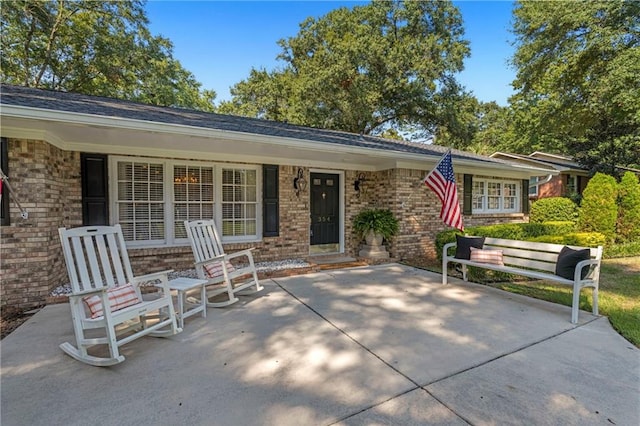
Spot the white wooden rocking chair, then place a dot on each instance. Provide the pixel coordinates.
(106, 296)
(213, 265)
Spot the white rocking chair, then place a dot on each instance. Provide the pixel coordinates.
(213, 265)
(106, 295)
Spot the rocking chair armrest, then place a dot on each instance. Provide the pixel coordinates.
(84, 293)
(152, 276)
(213, 259)
(245, 252)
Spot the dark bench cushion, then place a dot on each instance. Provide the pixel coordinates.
(567, 261)
(464, 244)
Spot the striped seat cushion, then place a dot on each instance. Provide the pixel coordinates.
(214, 270)
(120, 297)
(486, 256)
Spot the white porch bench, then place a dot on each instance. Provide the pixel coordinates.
(535, 260)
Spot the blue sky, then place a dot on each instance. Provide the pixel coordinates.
(220, 41)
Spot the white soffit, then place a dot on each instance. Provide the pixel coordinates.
(111, 135)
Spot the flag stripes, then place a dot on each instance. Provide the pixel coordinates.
(441, 180)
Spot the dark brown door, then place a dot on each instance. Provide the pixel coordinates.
(325, 216)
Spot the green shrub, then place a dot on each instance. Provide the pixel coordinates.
(599, 210)
(553, 209)
(628, 225)
(622, 250)
(559, 227)
(584, 239)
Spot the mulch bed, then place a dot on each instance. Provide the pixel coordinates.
(12, 318)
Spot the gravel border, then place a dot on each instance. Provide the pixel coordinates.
(279, 265)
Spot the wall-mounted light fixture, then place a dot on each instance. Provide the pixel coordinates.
(358, 185)
(299, 182)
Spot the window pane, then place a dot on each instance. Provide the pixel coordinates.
(193, 195)
(140, 200)
(239, 202)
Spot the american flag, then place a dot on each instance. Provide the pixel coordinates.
(442, 181)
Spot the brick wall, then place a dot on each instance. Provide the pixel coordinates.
(46, 180)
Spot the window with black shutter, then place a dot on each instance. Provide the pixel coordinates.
(270, 204)
(95, 199)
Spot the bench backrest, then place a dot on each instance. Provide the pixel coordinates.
(533, 255)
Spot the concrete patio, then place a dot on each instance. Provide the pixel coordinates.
(372, 345)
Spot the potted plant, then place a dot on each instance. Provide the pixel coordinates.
(375, 224)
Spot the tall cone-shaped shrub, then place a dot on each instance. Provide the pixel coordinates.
(628, 226)
(599, 208)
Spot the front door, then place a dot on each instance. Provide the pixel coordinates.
(325, 211)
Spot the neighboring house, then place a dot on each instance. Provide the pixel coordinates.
(565, 178)
(288, 191)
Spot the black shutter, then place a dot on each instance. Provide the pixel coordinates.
(270, 202)
(525, 196)
(95, 200)
(467, 207)
(4, 165)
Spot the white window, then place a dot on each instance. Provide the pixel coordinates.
(239, 202)
(192, 196)
(140, 200)
(533, 186)
(495, 196)
(151, 199)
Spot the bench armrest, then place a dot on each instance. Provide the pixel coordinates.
(587, 263)
(445, 249)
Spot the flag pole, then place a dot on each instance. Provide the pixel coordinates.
(5, 182)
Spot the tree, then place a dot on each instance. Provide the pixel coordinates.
(599, 208)
(628, 226)
(578, 80)
(100, 48)
(362, 70)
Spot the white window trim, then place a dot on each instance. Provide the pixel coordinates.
(168, 165)
(485, 210)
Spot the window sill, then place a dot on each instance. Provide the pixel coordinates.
(493, 215)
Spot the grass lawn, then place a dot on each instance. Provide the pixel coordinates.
(619, 295)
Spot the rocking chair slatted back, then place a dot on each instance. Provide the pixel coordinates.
(205, 240)
(105, 253)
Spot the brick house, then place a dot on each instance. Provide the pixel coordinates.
(570, 178)
(289, 191)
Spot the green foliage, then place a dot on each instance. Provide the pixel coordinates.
(553, 209)
(583, 239)
(628, 225)
(599, 210)
(559, 227)
(365, 69)
(99, 48)
(622, 250)
(380, 221)
(578, 81)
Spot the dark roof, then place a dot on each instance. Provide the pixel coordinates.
(110, 107)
